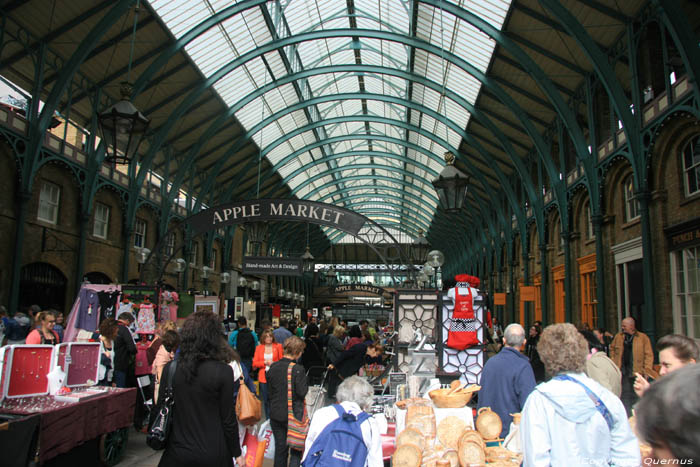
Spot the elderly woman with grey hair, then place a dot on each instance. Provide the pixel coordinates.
(354, 396)
(571, 419)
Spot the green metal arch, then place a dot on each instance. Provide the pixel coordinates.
(363, 68)
(376, 154)
(388, 201)
(605, 72)
(401, 124)
(301, 38)
(537, 73)
(491, 227)
(387, 169)
(363, 195)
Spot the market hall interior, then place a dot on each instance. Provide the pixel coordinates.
(550, 148)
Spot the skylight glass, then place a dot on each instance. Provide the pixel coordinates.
(351, 134)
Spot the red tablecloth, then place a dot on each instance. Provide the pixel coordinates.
(66, 425)
(389, 442)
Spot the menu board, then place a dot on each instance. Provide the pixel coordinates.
(396, 378)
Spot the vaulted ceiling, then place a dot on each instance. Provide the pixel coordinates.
(350, 102)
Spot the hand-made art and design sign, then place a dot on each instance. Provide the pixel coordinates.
(273, 266)
(276, 209)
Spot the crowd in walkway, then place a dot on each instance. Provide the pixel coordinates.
(575, 388)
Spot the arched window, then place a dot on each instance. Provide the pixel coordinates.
(590, 233)
(631, 203)
(691, 166)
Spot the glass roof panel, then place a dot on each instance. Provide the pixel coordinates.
(244, 32)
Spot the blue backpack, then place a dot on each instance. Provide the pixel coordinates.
(340, 443)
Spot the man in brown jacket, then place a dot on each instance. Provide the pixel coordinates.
(631, 351)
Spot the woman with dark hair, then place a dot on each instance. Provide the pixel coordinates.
(204, 426)
(355, 335)
(532, 354)
(350, 361)
(166, 353)
(675, 351)
(108, 331)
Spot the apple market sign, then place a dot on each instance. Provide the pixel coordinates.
(279, 210)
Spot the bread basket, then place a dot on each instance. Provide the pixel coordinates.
(444, 400)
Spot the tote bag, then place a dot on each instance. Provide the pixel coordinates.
(296, 429)
(158, 434)
(248, 406)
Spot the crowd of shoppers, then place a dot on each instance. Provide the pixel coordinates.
(574, 387)
(592, 381)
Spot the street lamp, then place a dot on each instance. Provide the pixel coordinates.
(242, 282)
(225, 277)
(255, 285)
(451, 186)
(289, 295)
(205, 278)
(180, 264)
(142, 256)
(436, 259)
(281, 293)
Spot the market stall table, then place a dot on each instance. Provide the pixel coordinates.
(65, 425)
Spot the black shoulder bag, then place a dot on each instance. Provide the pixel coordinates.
(162, 422)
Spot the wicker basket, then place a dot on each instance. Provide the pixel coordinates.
(453, 401)
(488, 423)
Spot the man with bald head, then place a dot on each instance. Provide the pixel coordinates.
(507, 378)
(631, 351)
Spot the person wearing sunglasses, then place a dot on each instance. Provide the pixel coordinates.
(44, 333)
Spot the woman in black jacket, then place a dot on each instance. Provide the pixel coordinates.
(533, 355)
(204, 426)
(312, 356)
(277, 390)
(349, 363)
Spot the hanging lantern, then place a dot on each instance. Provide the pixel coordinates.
(255, 285)
(419, 248)
(281, 293)
(307, 260)
(296, 297)
(302, 297)
(289, 294)
(225, 278)
(242, 282)
(122, 127)
(451, 186)
(436, 259)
